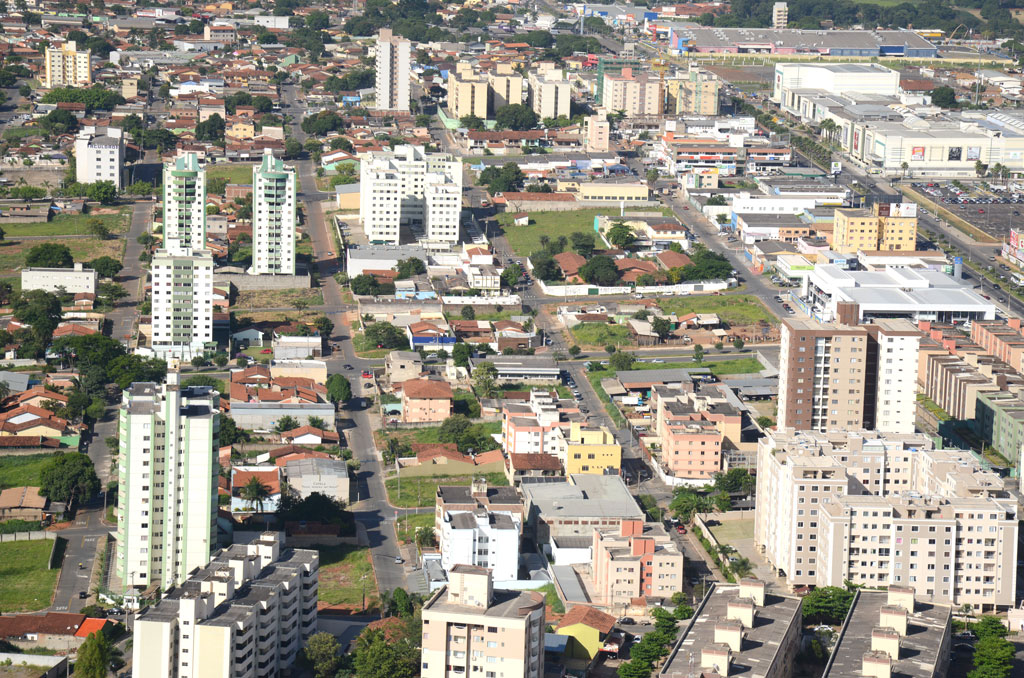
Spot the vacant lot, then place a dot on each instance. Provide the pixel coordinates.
(278, 298)
(733, 309)
(419, 491)
(525, 240)
(21, 471)
(25, 582)
(737, 366)
(409, 524)
(364, 349)
(733, 530)
(12, 252)
(601, 334)
(235, 173)
(432, 434)
(117, 221)
(344, 572)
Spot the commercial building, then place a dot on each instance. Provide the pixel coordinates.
(77, 280)
(182, 303)
(835, 376)
(184, 217)
(67, 66)
(469, 627)
(468, 93)
(878, 509)
(481, 538)
(635, 94)
(273, 217)
(411, 188)
(635, 560)
(591, 449)
(691, 37)
(167, 482)
(99, 155)
(550, 94)
(736, 628)
(393, 83)
(577, 505)
(793, 80)
(888, 633)
(246, 613)
(885, 227)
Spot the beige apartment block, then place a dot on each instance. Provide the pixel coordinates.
(393, 83)
(472, 629)
(875, 229)
(67, 66)
(598, 133)
(635, 560)
(696, 92)
(506, 86)
(468, 93)
(633, 94)
(884, 509)
(550, 93)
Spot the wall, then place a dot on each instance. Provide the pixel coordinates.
(452, 468)
(244, 281)
(57, 665)
(682, 289)
(27, 536)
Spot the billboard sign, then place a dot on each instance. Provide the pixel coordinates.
(917, 153)
(897, 209)
(837, 167)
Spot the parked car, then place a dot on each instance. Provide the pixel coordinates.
(367, 374)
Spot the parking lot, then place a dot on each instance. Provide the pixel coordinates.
(994, 209)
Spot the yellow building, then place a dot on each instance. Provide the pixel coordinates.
(696, 93)
(591, 450)
(67, 66)
(240, 131)
(506, 86)
(587, 628)
(886, 227)
(468, 93)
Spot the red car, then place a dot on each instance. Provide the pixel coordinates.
(681, 529)
(367, 375)
(267, 350)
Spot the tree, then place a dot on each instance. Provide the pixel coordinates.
(339, 390)
(67, 477)
(409, 267)
(944, 97)
(103, 192)
(827, 604)
(741, 567)
(255, 493)
(582, 244)
(652, 175)
(765, 421)
(378, 656)
(620, 235)
(460, 354)
(211, 129)
(317, 20)
(365, 284)
(322, 654)
(515, 117)
(575, 350)
(980, 168)
(621, 361)
(722, 502)
(545, 267)
(734, 481)
(471, 122)
(485, 375)
(508, 177)
(737, 344)
(662, 327)
(94, 656)
(600, 270)
(49, 255)
(698, 354)
(286, 423)
(129, 369)
(40, 309)
(106, 267)
(401, 603)
(292, 149)
(468, 313)
(386, 335)
(989, 625)
(230, 433)
(220, 360)
(511, 275)
(317, 422)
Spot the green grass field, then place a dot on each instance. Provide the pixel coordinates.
(728, 532)
(733, 309)
(464, 402)
(235, 173)
(12, 252)
(364, 349)
(25, 582)
(601, 334)
(431, 435)
(737, 366)
(344, 571)
(409, 524)
(525, 240)
(21, 471)
(70, 224)
(419, 491)
(552, 599)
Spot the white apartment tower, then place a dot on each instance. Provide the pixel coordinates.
(167, 482)
(481, 538)
(550, 94)
(898, 344)
(408, 187)
(273, 214)
(182, 270)
(394, 55)
(99, 155)
(247, 613)
(780, 15)
(67, 66)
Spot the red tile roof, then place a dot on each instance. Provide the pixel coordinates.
(535, 462)
(54, 623)
(671, 259)
(588, 616)
(91, 625)
(271, 479)
(426, 389)
(329, 436)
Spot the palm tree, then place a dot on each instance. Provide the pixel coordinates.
(741, 567)
(255, 493)
(904, 166)
(5, 390)
(725, 550)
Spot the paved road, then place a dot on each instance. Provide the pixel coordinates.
(132, 276)
(82, 540)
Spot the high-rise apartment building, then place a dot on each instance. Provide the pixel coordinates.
(635, 560)
(410, 188)
(246, 613)
(472, 629)
(182, 297)
(550, 94)
(273, 217)
(184, 205)
(468, 93)
(482, 538)
(836, 376)
(885, 227)
(167, 482)
(780, 15)
(633, 93)
(99, 155)
(67, 66)
(506, 86)
(696, 92)
(598, 133)
(878, 509)
(393, 84)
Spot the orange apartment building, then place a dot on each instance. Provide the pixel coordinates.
(694, 430)
(635, 560)
(532, 427)
(472, 629)
(1004, 340)
(426, 400)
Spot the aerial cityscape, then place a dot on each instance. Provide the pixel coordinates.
(476, 339)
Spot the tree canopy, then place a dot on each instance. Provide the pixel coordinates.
(69, 476)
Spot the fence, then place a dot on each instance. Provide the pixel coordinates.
(651, 290)
(30, 535)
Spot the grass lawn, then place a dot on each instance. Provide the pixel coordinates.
(278, 298)
(19, 133)
(601, 334)
(21, 471)
(733, 530)
(12, 252)
(25, 582)
(344, 570)
(525, 240)
(409, 524)
(430, 435)
(364, 349)
(734, 309)
(738, 366)
(71, 224)
(235, 173)
(419, 491)
(552, 599)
